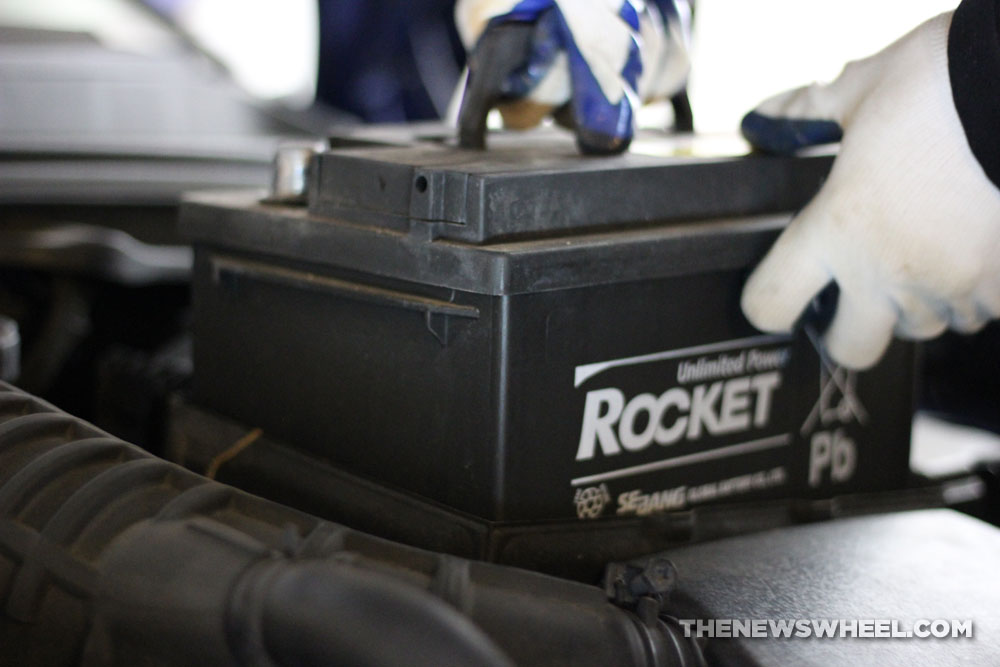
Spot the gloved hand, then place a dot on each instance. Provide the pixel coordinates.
(907, 224)
(592, 62)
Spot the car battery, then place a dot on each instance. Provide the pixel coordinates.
(526, 335)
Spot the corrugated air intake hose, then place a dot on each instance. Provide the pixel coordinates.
(109, 555)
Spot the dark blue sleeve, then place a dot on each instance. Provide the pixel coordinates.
(388, 61)
(974, 68)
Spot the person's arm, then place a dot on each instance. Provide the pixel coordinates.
(974, 71)
(908, 222)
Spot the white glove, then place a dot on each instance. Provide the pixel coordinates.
(907, 224)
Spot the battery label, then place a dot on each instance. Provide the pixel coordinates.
(678, 409)
(718, 408)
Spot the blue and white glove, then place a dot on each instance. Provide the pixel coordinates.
(908, 222)
(598, 60)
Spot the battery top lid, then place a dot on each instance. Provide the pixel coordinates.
(535, 183)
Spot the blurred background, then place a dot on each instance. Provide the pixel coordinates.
(743, 50)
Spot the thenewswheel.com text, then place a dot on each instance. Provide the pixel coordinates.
(867, 628)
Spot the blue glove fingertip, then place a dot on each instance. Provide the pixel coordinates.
(784, 136)
(602, 127)
(546, 45)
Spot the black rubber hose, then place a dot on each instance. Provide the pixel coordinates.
(109, 555)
